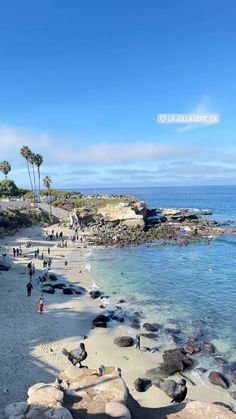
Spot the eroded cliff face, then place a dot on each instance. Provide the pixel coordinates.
(12, 220)
(125, 212)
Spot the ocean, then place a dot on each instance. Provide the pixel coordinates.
(183, 287)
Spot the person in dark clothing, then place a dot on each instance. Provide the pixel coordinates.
(35, 254)
(14, 252)
(66, 263)
(137, 346)
(48, 250)
(17, 252)
(31, 274)
(45, 263)
(49, 263)
(29, 287)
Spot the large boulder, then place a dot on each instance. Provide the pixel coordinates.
(46, 394)
(202, 410)
(117, 410)
(178, 354)
(67, 291)
(151, 327)
(165, 370)
(124, 341)
(218, 379)
(95, 294)
(101, 321)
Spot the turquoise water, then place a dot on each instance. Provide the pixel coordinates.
(179, 286)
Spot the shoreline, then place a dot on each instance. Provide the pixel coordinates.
(33, 342)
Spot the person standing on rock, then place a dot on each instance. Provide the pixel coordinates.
(29, 287)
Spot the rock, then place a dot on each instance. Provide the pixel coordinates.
(151, 327)
(52, 277)
(221, 360)
(121, 301)
(165, 370)
(118, 319)
(173, 355)
(141, 384)
(191, 348)
(135, 323)
(202, 410)
(45, 394)
(15, 409)
(48, 290)
(124, 341)
(91, 392)
(67, 291)
(218, 379)
(208, 347)
(95, 294)
(42, 412)
(233, 377)
(150, 335)
(59, 285)
(233, 394)
(117, 410)
(201, 370)
(101, 321)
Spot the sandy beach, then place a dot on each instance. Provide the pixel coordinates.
(31, 342)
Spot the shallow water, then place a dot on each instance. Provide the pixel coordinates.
(179, 286)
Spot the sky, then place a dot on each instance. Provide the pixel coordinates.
(82, 83)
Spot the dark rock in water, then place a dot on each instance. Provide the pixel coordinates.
(118, 318)
(173, 331)
(218, 379)
(102, 306)
(191, 348)
(233, 394)
(154, 336)
(95, 294)
(221, 360)
(165, 370)
(77, 292)
(48, 290)
(135, 323)
(67, 291)
(151, 327)
(52, 277)
(118, 308)
(101, 321)
(121, 301)
(200, 369)
(124, 341)
(59, 285)
(172, 355)
(208, 347)
(142, 384)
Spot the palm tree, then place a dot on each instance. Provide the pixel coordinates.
(26, 152)
(5, 168)
(32, 161)
(38, 160)
(47, 181)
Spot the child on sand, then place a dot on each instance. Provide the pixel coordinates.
(40, 304)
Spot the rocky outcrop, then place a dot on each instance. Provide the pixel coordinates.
(201, 410)
(124, 341)
(218, 379)
(77, 393)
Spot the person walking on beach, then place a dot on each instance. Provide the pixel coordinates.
(137, 346)
(17, 252)
(65, 263)
(48, 250)
(35, 254)
(29, 287)
(49, 263)
(14, 252)
(42, 256)
(45, 263)
(20, 251)
(40, 304)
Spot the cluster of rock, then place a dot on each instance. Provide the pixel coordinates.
(13, 219)
(78, 393)
(131, 222)
(51, 284)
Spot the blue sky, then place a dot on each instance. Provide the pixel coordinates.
(82, 82)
